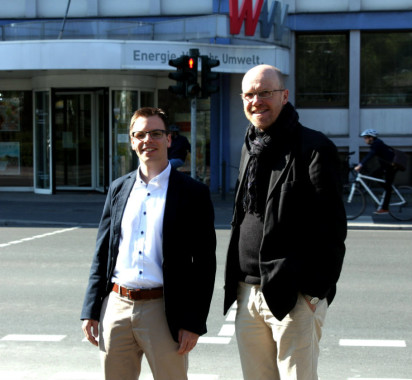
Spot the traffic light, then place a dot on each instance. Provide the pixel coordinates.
(192, 89)
(207, 87)
(186, 75)
(180, 75)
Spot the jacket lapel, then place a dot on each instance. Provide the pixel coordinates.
(278, 174)
(244, 161)
(171, 207)
(122, 198)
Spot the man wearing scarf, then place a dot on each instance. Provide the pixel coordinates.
(288, 230)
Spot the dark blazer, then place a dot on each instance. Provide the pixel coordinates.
(189, 245)
(302, 248)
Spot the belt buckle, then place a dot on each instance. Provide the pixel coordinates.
(136, 298)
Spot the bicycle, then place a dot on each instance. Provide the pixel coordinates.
(400, 206)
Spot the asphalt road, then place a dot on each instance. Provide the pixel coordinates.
(43, 276)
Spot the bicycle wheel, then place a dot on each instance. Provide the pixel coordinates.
(401, 208)
(355, 206)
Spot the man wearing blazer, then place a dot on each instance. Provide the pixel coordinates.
(153, 272)
(288, 230)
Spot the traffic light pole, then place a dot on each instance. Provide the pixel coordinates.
(193, 137)
(187, 86)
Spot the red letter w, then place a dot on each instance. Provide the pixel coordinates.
(246, 13)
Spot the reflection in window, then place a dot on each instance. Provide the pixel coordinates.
(124, 159)
(42, 140)
(16, 138)
(386, 69)
(322, 70)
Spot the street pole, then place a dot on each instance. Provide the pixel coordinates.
(64, 20)
(193, 136)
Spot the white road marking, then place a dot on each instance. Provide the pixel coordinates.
(371, 343)
(214, 340)
(231, 316)
(374, 378)
(15, 375)
(190, 376)
(76, 376)
(227, 330)
(33, 338)
(37, 237)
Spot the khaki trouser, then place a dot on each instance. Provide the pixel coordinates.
(129, 329)
(277, 350)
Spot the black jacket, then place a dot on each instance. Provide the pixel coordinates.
(379, 149)
(189, 244)
(302, 248)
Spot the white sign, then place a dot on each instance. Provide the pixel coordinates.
(135, 55)
(152, 55)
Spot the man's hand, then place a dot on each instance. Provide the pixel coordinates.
(312, 307)
(90, 328)
(187, 341)
(358, 167)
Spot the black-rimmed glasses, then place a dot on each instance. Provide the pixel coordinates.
(155, 134)
(249, 96)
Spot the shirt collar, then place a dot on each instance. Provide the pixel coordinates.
(161, 180)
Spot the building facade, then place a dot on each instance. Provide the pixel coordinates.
(73, 72)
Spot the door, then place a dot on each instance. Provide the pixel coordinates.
(75, 163)
(42, 143)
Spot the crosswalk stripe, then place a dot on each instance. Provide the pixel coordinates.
(15, 375)
(374, 378)
(76, 376)
(33, 338)
(227, 330)
(371, 343)
(214, 340)
(231, 316)
(190, 376)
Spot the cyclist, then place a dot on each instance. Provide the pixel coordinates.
(385, 155)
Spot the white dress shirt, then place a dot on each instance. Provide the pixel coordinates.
(139, 262)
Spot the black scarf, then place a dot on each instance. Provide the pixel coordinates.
(258, 144)
(262, 148)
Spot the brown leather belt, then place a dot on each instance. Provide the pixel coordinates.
(138, 294)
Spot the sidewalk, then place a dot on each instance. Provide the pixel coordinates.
(20, 209)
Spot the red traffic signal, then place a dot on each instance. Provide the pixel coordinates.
(186, 76)
(191, 63)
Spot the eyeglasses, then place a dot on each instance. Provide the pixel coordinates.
(155, 134)
(249, 96)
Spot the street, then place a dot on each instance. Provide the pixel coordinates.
(44, 272)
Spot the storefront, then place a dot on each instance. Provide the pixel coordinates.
(68, 128)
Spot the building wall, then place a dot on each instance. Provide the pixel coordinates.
(102, 8)
(41, 64)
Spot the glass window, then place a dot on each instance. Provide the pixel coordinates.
(16, 138)
(386, 69)
(42, 140)
(322, 70)
(147, 99)
(124, 103)
(179, 113)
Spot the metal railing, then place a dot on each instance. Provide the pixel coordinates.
(203, 27)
